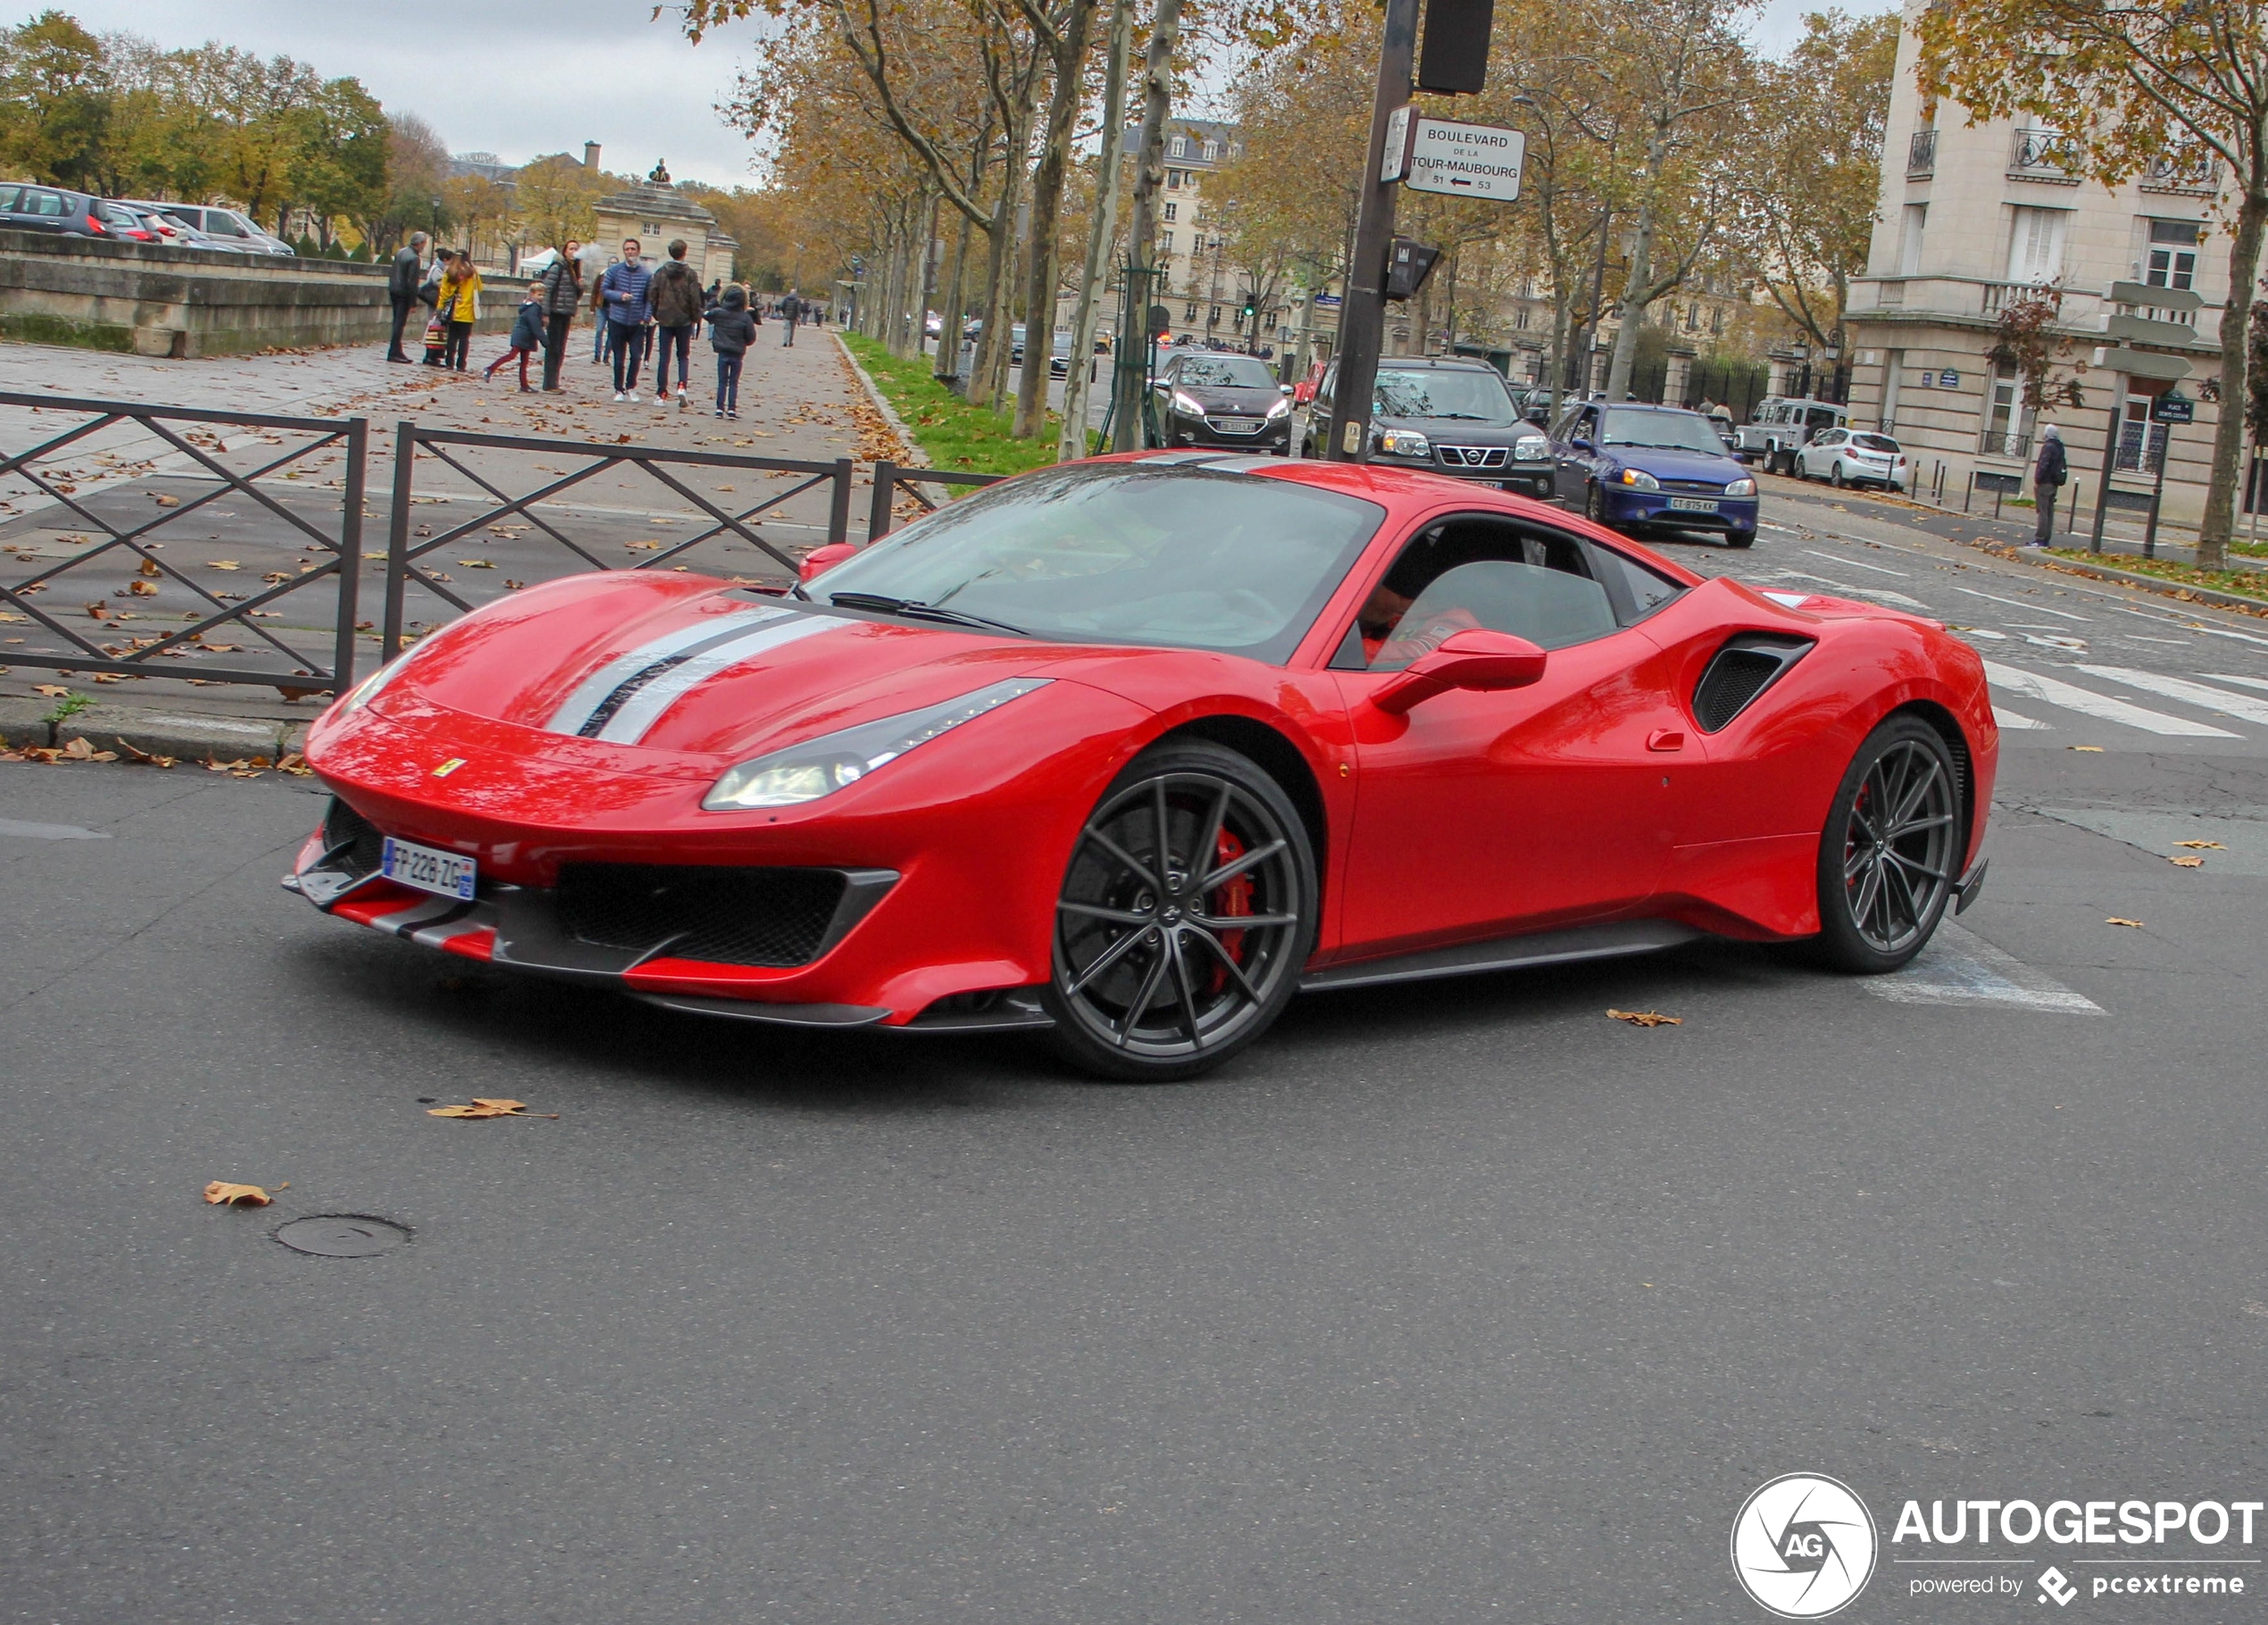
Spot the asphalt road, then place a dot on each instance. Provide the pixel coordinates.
(1445, 1303)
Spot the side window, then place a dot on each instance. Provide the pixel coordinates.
(8, 196)
(1324, 390)
(1487, 572)
(1636, 591)
(47, 205)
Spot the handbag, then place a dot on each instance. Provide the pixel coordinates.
(437, 334)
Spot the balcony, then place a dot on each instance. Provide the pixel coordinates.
(2194, 174)
(1998, 296)
(2043, 154)
(1922, 152)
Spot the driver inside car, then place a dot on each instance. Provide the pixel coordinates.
(1386, 641)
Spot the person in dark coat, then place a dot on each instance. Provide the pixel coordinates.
(402, 277)
(562, 287)
(2047, 477)
(791, 310)
(526, 337)
(676, 298)
(730, 333)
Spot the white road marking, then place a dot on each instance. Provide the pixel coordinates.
(2087, 703)
(1879, 594)
(2036, 608)
(2072, 645)
(1960, 967)
(1839, 559)
(2180, 688)
(2226, 676)
(2011, 719)
(2211, 631)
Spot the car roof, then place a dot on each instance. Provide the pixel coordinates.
(1646, 406)
(1448, 364)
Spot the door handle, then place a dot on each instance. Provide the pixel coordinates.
(1665, 739)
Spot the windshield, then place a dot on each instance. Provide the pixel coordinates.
(1225, 372)
(1444, 393)
(1127, 553)
(1683, 431)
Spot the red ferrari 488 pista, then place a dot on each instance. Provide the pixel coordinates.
(1133, 750)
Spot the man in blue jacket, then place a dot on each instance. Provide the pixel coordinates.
(623, 295)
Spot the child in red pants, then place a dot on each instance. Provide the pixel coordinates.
(527, 339)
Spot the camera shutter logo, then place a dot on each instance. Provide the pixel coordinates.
(1803, 1546)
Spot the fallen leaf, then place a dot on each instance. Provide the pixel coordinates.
(112, 677)
(2095, 750)
(141, 589)
(274, 576)
(476, 564)
(168, 501)
(94, 610)
(2116, 919)
(2201, 845)
(220, 1193)
(1646, 1018)
(489, 1108)
(53, 691)
(149, 567)
(140, 755)
(222, 564)
(2178, 863)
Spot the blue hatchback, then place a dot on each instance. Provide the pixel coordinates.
(1639, 467)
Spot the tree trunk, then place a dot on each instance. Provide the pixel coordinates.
(2236, 332)
(1131, 373)
(1046, 206)
(999, 270)
(1102, 232)
(1637, 295)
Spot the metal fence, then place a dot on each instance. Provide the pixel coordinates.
(99, 471)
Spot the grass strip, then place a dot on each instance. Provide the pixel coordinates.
(954, 434)
(2251, 583)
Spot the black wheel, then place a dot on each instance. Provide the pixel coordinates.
(1888, 854)
(1185, 917)
(1594, 504)
(1739, 539)
(1835, 475)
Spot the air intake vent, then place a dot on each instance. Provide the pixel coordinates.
(352, 840)
(731, 916)
(1743, 669)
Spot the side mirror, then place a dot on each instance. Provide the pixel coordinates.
(1283, 388)
(819, 560)
(1580, 443)
(1476, 659)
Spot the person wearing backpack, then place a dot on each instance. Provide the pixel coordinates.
(790, 309)
(2047, 477)
(676, 298)
(731, 330)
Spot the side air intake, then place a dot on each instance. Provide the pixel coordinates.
(1743, 669)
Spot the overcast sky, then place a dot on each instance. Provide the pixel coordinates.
(523, 78)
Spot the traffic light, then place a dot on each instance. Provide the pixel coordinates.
(1251, 306)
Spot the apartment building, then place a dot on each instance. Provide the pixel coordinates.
(1975, 217)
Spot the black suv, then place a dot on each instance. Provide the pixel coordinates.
(1454, 417)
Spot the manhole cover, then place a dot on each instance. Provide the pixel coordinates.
(342, 1236)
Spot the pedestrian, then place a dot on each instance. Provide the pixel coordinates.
(676, 297)
(790, 308)
(591, 263)
(562, 287)
(623, 297)
(2047, 477)
(526, 337)
(730, 333)
(709, 299)
(429, 294)
(402, 278)
(461, 307)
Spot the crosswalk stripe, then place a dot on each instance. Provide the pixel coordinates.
(2012, 718)
(2180, 688)
(2102, 707)
(2247, 682)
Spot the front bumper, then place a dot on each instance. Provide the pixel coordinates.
(1625, 506)
(1274, 434)
(1537, 480)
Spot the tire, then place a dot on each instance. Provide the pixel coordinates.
(1739, 539)
(1835, 476)
(1594, 504)
(1148, 983)
(1890, 851)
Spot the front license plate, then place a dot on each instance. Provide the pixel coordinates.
(1236, 426)
(1693, 504)
(444, 873)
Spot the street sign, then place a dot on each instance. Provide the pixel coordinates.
(1466, 160)
(1397, 146)
(2172, 408)
(1329, 302)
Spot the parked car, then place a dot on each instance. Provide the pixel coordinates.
(227, 227)
(1783, 426)
(1846, 456)
(63, 212)
(1205, 399)
(175, 232)
(1454, 417)
(1638, 467)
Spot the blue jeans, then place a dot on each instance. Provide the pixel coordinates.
(677, 340)
(628, 345)
(729, 380)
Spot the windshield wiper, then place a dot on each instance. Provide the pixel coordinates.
(913, 609)
(1469, 417)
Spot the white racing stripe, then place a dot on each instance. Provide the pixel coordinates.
(592, 692)
(2102, 707)
(644, 708)
(2241, 705)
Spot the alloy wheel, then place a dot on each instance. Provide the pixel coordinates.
(1899, 847)
(1181, 919)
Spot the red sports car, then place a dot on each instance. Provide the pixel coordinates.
(1134, 749)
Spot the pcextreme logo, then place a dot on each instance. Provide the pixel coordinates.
(1803, 1546)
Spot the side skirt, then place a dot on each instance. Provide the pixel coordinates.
(1504, 953)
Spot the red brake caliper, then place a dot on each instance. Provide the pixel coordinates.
(1232, 899)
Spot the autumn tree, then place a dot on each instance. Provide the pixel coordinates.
(2133, 85)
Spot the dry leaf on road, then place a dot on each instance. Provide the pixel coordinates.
(168, 501)
(53, 691)
(141, 589)
(2092, 750)
(220, 1193)
(222, 564)
(1646, 1018)
(489, 1108)
(2117, 920)
(2201, 845)
(149, 567)
(2187, 862)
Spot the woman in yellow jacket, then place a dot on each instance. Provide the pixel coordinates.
(459, 308)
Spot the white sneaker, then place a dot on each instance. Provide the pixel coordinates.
(632, 397)
(618, 394)
(681, 400)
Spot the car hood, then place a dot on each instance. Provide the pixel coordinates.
(1664, 464)
(677, 664)
(1221, 398)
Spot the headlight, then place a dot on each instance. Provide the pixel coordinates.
(1282, 408)
(363, 692)
(1405, 443)
(1741, 488)
(1187, 404)
(1530, 448)
(1639, 480)
(821, 766)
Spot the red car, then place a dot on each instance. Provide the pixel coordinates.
(1134, 749)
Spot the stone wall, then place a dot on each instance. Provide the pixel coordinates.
(178, 302)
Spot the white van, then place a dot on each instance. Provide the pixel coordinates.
(1783, 426)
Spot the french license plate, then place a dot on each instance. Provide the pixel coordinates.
(442, 873)
(1236, 426)
(1693, 504)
